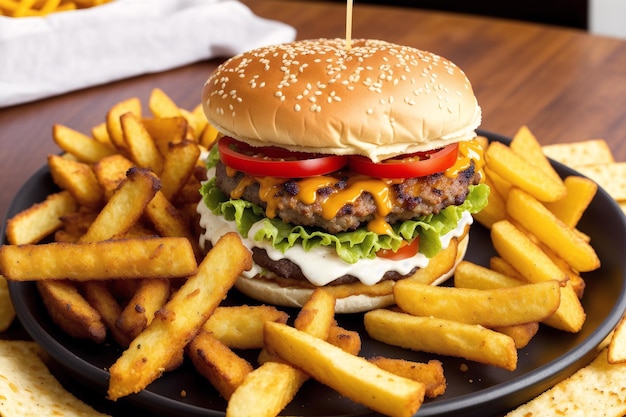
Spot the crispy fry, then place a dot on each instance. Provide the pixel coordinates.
(100, 298)
(180, 319)
(149, 296)
(114, 259)
(70, 311)
(352, 376)
(78, 179)
(161, 105)
(110, 172)
(430, 374)
(217, 363)
(40, 220)
(526, 145)
(139, 144)
(347, 340)
(495, 209)
(440, 264)
(515, 247)
(542, 223)
(241, 327)
(522, 334)
(83, 147)
(166, 131)
(180, 162)
(516, 170)
(443, 337)
(114, 123)
(488, 307)
(124, 207)
(580, 192)
(250, 399)
(7, 312)
(316, 317)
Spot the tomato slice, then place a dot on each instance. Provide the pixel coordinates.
(408, 250)
(408, 166)
(276, 162)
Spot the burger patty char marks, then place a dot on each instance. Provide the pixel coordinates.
(411, 198)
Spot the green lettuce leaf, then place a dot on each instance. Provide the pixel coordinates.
(350, 246)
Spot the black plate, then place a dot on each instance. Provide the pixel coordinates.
(477, 390)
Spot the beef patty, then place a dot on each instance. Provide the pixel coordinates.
(413, 197)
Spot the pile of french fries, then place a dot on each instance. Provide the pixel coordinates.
(124, 263)
(29, 8)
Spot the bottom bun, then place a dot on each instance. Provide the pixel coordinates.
(378, 296)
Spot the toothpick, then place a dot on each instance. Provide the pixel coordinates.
(349, 24)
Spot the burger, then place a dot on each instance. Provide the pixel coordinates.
(349, 166)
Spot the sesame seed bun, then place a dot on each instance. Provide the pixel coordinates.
(375, 99)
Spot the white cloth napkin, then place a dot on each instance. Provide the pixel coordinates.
(66, 51)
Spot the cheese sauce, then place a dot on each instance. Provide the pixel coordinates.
(320, 265)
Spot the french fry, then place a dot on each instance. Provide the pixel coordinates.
(99, 297)
(241, 327)
(113, 259)
(526, 145)
(542, 223)
(500, 185)
(516, 170)
(161, 105)
(444, 337)
(82, 146)
(7, 312)
(149, 296)
(124, 207)
(70, 311)
(521, 334)
(498, 264)
(180, 162)
(180, 319)
(262, 384)
(209, 136)
(110, 172)
(495, 209)
(580, 192)
(40, 220)
(316, 317)
(515, 247)
(430, 374)
(114, 123)
(100, 134)
(139, 144)
(488, 307)
(347, 340)
(217, 363)
(78, 179)
(166, 131)
(352, 376)
(169, 222)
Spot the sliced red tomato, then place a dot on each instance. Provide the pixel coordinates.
(408, 166)
(408, 250)
(276, 162)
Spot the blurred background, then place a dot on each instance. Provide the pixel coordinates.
(601, 17)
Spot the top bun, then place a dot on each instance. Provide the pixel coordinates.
(375, 99)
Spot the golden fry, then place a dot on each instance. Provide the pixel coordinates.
(77, 178)
(488, 307)
(351, 376)
(149, 296)
(542, 223)
(81, 146)
(180, 319)
(113, 259)
(40, 220)
(430, 374)
(580, 192)
(114, 123)
(217, 363)
(443, 337)
(139, 144)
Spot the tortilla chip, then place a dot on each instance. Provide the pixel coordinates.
(28, 389)
(595, 390)
(587, 152)
(611, 177)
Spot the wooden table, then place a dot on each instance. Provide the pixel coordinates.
(564, 84)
